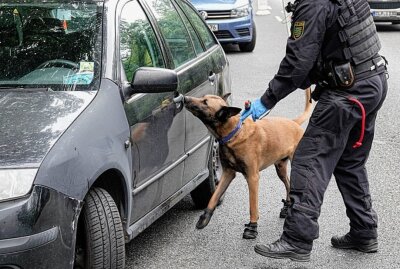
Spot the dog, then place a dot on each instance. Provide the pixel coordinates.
(247, 147)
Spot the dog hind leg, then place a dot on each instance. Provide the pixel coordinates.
(281, 170)
(226, 178)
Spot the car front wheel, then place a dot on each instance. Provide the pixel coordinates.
(202, 194)
(100, 239)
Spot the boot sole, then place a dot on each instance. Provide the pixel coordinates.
(371, 248)
(289, 255)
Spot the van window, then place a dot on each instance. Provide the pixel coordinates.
(56, 45)
(138, 43)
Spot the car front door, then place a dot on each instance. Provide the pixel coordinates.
(196, 71)
(157, 126)
(207, 72)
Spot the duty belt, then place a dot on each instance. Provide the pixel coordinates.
(370, 65)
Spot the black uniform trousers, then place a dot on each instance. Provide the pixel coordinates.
(327, 148)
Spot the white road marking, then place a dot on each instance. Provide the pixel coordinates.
(278, 18)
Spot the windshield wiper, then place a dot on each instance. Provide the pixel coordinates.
(24, 89)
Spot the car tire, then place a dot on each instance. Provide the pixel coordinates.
(201, 195)
(249, 46)
(100, 239)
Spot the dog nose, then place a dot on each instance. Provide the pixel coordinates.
(186, 99)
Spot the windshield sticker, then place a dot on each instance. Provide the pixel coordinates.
(86, 67)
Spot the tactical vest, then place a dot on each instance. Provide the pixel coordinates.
(358, 33)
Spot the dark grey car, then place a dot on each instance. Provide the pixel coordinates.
(95, 143)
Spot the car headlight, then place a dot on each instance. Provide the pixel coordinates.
(242, 11)
(15, 182)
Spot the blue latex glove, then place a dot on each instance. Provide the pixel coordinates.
(257, 110)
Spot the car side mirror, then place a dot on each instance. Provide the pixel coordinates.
(154, 80)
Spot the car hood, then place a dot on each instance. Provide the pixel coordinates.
(31, 122)
(218, 4)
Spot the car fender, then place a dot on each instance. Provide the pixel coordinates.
(98, 140)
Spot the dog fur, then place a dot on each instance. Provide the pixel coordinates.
(256, 146)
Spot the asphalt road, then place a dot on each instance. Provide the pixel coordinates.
(173, 241)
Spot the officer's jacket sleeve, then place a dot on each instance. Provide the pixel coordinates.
(307, 33)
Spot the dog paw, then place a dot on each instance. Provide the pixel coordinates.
(250, 232)
(204, 218)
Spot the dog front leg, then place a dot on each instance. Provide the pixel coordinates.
(252, 182)
(250, 232)
(226, 178)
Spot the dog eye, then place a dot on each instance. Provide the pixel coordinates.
(205, 101)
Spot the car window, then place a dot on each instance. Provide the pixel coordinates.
(138, 42)
(173, 30)
(201, 27)
(193, 35)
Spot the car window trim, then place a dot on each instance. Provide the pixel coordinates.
(171, 61)
(195, 30)
(159, 35)
(151, 19)
(188, 64)
(181, 14)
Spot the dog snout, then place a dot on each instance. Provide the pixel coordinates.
(188, 102)
(186, 99)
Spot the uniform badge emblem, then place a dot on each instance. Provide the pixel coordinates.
(298, 29)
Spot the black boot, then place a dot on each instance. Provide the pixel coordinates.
(348, 242)
(250, 232)
(281, 249)
(284, 209)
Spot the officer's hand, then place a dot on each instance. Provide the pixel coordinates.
(256, 109)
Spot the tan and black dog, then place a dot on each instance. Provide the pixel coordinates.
(253, 147)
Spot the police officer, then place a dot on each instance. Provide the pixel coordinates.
(333, 45)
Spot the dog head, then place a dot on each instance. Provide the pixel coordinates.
(212, 110)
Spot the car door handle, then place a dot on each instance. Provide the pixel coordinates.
(178, 100)
(212, 77)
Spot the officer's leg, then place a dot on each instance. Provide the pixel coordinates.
(312, 167)
(352, 180)
(350, 173)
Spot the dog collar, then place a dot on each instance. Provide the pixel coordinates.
(227, 138)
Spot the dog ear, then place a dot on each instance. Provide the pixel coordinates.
(225, 97)
(226, 112)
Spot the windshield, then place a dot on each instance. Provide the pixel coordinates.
(54, 44)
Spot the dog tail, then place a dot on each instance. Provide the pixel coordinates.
(307, 110)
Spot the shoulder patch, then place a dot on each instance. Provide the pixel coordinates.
(298, 29)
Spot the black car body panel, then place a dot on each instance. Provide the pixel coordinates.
(35, 234)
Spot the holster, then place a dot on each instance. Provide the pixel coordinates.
(340, 75)
(316, 93)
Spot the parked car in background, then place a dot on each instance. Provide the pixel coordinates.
(232, 21)
(385, 10)
(95, 142)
